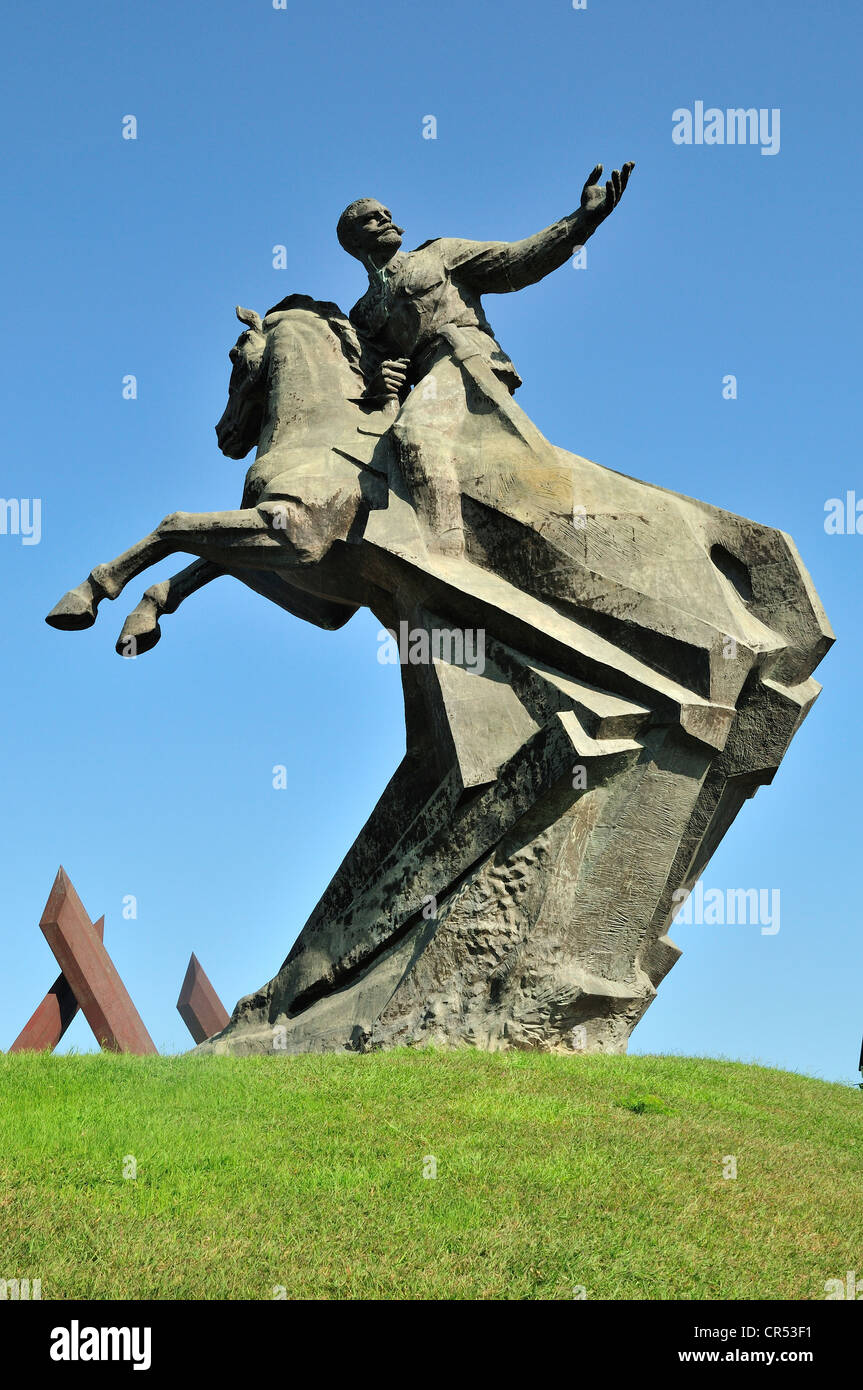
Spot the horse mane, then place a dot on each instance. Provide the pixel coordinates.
(337, 321)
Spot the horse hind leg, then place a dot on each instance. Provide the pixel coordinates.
(141, 630)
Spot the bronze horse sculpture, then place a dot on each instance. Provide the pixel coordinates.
(296, 392)
(648, 658)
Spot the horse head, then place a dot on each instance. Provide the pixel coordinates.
(315, 356)
(240, 425)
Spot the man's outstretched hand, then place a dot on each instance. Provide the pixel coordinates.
(598, 201)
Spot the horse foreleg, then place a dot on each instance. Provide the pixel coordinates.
(77, 608)
(141, 629)
(248, 537)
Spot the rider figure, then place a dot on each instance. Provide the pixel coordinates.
(423, 319)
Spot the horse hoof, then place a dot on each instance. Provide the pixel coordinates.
(75, 611)
(137, 637)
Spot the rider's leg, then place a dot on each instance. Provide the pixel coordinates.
(424, 433)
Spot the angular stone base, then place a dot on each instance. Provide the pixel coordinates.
(644, 674)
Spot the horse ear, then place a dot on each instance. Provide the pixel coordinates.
(249, 317)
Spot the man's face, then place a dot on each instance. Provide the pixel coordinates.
(374, 232)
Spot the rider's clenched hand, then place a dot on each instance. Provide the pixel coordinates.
(389, 380)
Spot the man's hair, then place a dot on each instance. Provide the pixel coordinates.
(345, 226)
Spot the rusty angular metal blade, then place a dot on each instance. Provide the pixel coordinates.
(90, 972)
(199, 1006)
(52, 1017)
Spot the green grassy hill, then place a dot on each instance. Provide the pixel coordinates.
(307, 1174)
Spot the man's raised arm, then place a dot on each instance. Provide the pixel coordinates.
(495, 267)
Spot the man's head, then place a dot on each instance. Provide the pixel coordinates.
(366, 230)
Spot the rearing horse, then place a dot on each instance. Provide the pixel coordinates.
(297, 391)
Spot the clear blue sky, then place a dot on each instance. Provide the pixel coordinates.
(255, 127)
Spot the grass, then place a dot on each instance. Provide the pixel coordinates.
(306, 1174)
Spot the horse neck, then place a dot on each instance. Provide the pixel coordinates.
(311, 387)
